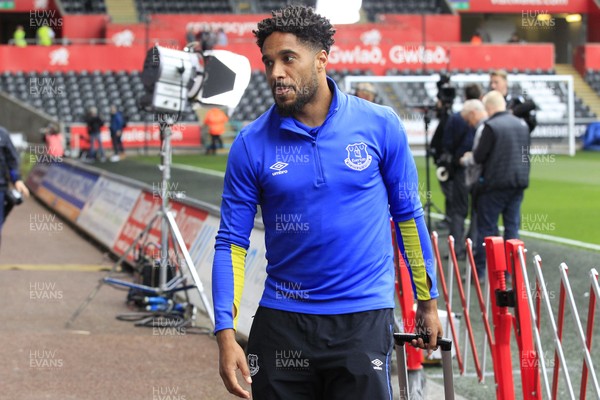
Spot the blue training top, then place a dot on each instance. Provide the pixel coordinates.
(324, 194)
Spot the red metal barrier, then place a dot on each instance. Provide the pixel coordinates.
(442, 279)
(530, 374)
(559, 331)
(465, 308)
(589, 329)
(502, 318)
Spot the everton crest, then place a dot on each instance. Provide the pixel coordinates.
(253, 364)
(358, 158)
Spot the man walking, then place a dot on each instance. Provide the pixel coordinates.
(327, 170)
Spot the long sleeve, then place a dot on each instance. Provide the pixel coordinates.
(401, 179)
(12, 159)
(238, 209)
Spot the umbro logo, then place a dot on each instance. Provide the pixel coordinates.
(377, 363)
(279, 168)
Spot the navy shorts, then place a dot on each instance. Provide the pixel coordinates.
(321, 357)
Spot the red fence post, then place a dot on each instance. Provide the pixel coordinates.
(502, 319)
(589, 329)
(530, 374)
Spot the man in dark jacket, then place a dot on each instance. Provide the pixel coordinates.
(9, 171)
(117, 123)
(94, 124)
(457, 140)
(503, 152)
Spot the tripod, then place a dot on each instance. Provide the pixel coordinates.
(169, 231)
(428, 202)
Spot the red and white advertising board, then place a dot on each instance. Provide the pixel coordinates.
(136, 136)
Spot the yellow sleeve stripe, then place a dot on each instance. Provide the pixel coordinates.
(238, 259)
(414, 255)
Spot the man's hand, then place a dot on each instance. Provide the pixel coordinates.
(463, 160)
(20, 186)
(232, 358)
(427, 323)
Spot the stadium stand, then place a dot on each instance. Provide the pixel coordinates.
(183, 7)
(374, 7)
(70, 94)
(73, 93)
(84, 6)
(592, 77)
(265, 6)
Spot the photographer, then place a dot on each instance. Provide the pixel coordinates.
(445, 99)
(9, 172)
(519, 106)
(457, 140)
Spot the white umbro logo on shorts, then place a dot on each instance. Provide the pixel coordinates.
(377, 363)
(279, 167)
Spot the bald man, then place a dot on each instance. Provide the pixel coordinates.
(505, 173)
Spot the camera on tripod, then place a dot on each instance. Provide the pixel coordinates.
(443, 160)
(446, 94)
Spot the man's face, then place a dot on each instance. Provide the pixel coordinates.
(291, 70)
(498, 83)
(365, 94)
(468, 117)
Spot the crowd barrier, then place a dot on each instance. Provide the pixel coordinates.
(511, 303)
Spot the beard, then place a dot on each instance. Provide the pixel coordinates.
(304, 95)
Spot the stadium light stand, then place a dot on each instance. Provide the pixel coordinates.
(340, 12)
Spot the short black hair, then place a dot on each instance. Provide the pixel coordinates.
(308, 26)
(473, 91)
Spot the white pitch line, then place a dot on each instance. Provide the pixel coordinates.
(205, 171)
(549, 238)
(535, 235)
